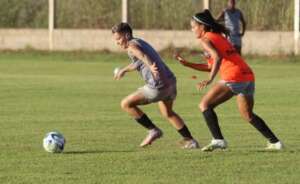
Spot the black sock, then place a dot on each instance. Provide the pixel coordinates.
(262, 127)
(212, 123)
(185, 133)
(145, 122)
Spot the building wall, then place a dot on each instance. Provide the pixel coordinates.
(254, 42)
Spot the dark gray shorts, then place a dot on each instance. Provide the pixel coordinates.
(241, 88)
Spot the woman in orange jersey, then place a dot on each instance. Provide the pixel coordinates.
(237, 79)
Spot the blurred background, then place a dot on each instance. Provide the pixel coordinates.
(167, 15)
(144, 14)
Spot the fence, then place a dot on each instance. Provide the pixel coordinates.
(97, 16)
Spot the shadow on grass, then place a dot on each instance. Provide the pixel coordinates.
(264, 151)
(97, 151)
(278, 151)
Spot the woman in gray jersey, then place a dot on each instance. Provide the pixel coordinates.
(160, 86)
(233, 17)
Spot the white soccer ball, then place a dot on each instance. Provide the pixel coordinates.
(54, 142)
(116, 71)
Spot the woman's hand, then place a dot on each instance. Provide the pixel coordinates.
(201, 85)
(154, 70)
(120, 74)
(180, 59)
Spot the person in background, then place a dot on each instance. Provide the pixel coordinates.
(233, 18)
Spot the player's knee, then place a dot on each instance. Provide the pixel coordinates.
(203, 106)
(125, 104)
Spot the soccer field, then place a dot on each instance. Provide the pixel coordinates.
(75, 94)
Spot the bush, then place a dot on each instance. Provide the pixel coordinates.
(144, 14)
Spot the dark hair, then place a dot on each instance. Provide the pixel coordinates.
(209, 22)
(123, 28)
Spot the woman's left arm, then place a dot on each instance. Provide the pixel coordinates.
(137, 52)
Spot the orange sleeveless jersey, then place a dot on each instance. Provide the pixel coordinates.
(233, 68)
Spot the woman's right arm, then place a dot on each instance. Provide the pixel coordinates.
(195, 66)
(129, 68)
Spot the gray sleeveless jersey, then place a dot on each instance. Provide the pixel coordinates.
(165, 77)
(232, 23)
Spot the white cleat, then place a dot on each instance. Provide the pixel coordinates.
(151, 137)
(189, 144)
(215, 144)
(275, 146)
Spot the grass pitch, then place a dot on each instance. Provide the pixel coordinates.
(75, 94)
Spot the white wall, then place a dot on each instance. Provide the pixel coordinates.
(264, 43)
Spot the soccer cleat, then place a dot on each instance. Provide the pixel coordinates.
(152, 136)
(275, 146)
(215, 144)
(189, 144)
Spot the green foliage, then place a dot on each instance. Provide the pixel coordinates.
(88, 13)
(167, 14)
(23, 14)
(263, 15)
(144, 14)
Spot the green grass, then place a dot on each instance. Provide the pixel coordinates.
(75, 94)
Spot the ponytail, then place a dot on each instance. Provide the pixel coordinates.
(219, 28)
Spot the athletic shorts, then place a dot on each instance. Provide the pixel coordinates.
(241, 88)
(155, 95)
